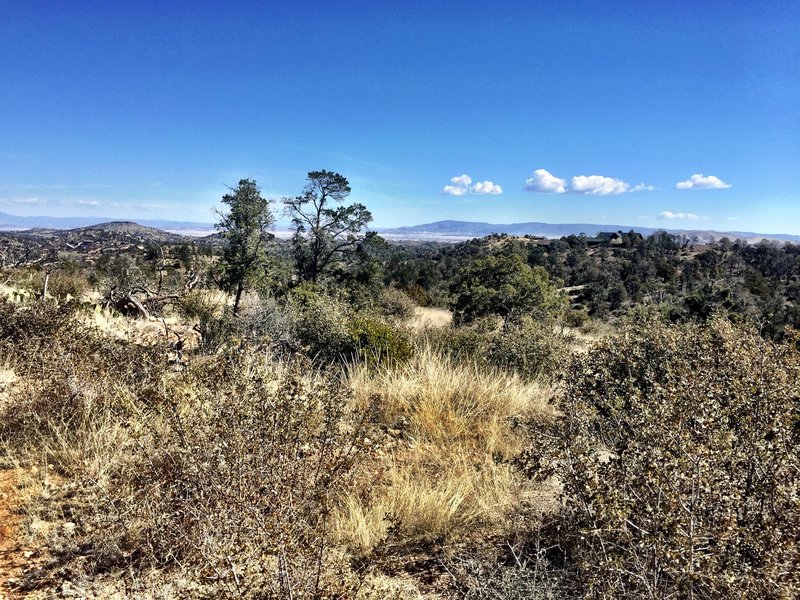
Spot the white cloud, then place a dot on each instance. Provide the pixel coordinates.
(597, 185)
(461, 180)
(679, 216)
(463, 185)
(460, 186)
(698, 181)
(486, 187)
(454, 190)
(545, 182)
(89, 202)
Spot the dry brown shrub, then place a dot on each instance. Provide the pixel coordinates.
(222, 475)
(679, 454)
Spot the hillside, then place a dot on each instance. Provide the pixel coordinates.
(39, 245)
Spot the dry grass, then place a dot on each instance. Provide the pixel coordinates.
(145, 465)
(451, 426)
(430, 496)
(441, 401)
(425, 317)
(584, 339)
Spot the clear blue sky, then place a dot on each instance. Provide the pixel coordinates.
(599, 109)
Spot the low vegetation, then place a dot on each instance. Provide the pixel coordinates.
(342, 418)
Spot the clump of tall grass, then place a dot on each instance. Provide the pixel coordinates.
(444, 474)
(447, 402)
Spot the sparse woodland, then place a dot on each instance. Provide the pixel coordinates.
(334, 416)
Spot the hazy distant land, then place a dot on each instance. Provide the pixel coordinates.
(441, 231)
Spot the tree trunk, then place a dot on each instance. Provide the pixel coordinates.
(239, 290)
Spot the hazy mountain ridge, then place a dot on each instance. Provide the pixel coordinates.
(15, 222)
(468, 229)
(446, 230)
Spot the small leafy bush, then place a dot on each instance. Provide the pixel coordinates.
(375, 340)
(320, 324)
(527, 347)
(395, 304)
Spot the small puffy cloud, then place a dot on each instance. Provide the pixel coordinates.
(89, 202)
(698, 181)
(486, 187)
(677, 216)
(461, 181)
(454, 190)
(643, 188)
(545, 182)
(597, 185)
(462, 185)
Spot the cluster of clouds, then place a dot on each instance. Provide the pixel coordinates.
(462, 185)
(544, 182)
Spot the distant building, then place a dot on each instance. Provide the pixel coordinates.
(614, 238)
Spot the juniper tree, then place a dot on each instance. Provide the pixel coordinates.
(245, 229)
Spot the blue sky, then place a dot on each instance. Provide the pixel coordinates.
(558, 111)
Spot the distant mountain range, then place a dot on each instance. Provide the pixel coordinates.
(14, 222)
(452, 230)
(439, 231)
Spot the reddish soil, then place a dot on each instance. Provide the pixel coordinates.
(15, 556)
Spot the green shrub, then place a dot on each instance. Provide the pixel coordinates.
(320, 324)
(678, 452)
(374, 340)
(530, 348)
(576, 317)
(396, 304)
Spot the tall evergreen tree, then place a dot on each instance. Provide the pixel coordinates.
(245, 229)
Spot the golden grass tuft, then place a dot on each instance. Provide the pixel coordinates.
(452, 426)
(446, 402)
(425, 317)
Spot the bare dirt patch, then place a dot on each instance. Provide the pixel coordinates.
(12, 548)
